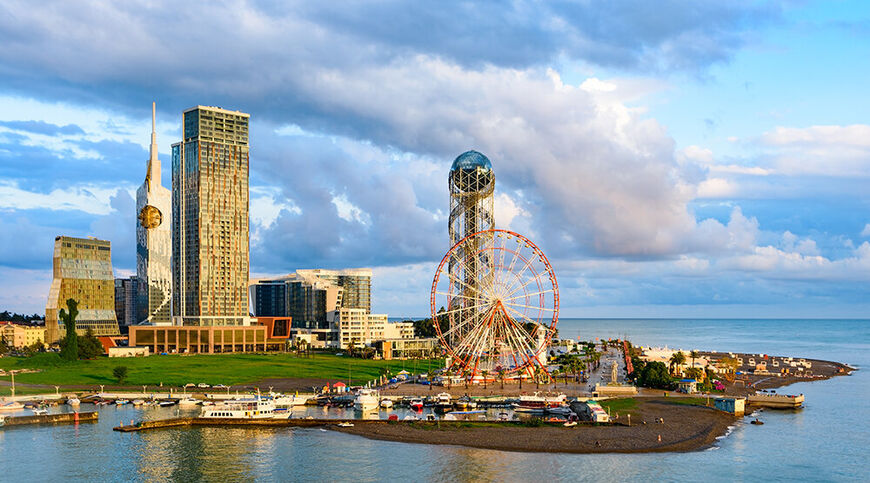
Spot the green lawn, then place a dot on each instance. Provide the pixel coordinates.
(228, 369)
(620, 405)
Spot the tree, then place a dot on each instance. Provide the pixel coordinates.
(37, 346)
(677, 359)
(694, 355)
(70, 351)
(89, 346)
(430, 377)
(499, 371)
(120, 373)
(484, 373)
(655, 375)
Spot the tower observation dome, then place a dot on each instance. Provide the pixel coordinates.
(472, 183)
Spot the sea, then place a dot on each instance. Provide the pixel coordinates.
(827, 440)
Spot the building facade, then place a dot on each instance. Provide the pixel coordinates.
(309, 295)
(20, 336)
(127, 298)
(358, 327)
(210, 229)
(423, 348)
(153, 244)
(82, 270)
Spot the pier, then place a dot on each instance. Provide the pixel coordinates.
(62, 418)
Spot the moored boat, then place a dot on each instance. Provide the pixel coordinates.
(73, 401)
(366, 399)
(442, 402)
(188, 402)
(254, 408)
(386, 403)
(11, 406)
(417, 404)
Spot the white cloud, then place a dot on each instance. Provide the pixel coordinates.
(866, 231)
(93, 199)
(840, 151)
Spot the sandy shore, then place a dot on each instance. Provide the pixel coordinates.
(685, 428)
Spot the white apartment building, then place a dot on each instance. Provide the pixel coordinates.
(362, 328)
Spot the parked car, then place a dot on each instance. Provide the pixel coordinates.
(190, 384)
(203, 385)
(219, 386)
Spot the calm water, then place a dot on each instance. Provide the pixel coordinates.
(826, 441)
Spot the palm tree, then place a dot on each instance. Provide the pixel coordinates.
(537, 377)
(465, 373)
(500, 374)
(448, 374)
(694, 355)
(676, 360)
(430, 375)
(484, 373)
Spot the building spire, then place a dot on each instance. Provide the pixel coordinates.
(153, 160)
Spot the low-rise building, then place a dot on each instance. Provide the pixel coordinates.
(129, 352)
(407, 348)
(733, 405)
(358, 327)
(269, 334)
(20, 336)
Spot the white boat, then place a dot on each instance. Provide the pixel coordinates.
(386, 403)
(442, 402)
(121, 402)
(208, 403)
(73, 401)
(39, 412)
(285, 401)
(345, 425)
(188, 402)
(536, 401)
(417, 404)
(138, 402)
(253, 408)
(366, 399)
(11, 406)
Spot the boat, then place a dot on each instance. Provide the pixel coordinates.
(503, 416)
(11, 406)
(253, 408)
(39, 411)
(366, 399)
(442, 402)
(345, 424)
(776, 401)
(757, 421)
(121, 402)
(165, 404)
(386, 403)
(560, 410)
(536, 401)
(2, 421)
(570, 424)
(188, 402)
(285, 402)
(138, 402)
(208, 403)
(417, 404)
(556, 420)
(73, 401)
(464, 404)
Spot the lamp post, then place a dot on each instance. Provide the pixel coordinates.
(101, 389)
(57, 391)
(13, 382)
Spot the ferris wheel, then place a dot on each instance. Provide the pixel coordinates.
(495, 303)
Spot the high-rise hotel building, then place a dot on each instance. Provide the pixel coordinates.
(210, 264)
(83, 272)
(153, 244)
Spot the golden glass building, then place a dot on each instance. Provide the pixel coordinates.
(82, 271)
(210, 263)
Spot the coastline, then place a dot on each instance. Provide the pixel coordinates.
(685, 428)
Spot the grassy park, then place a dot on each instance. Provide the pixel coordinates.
(227, 369)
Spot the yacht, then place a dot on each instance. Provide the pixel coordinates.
(538, 402)
(366, 399)
(442, 402)
(11, 406)
(417, 404)
(254, 408)
(188, 402)
(73, 401)
(284, 402)
(386, 403)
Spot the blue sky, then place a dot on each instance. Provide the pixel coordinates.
(697, 159)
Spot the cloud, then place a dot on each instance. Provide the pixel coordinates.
(42, 127)
(838, 151)
(866, 231)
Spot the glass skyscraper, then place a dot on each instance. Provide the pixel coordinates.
(83, 272)
(210, 238)
(153, 250)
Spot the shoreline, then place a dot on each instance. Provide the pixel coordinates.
(686, 428)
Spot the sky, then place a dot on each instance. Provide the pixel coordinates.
(672, 159)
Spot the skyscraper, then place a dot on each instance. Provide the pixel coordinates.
(153, 248)
(82, 271)
(210, 264)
